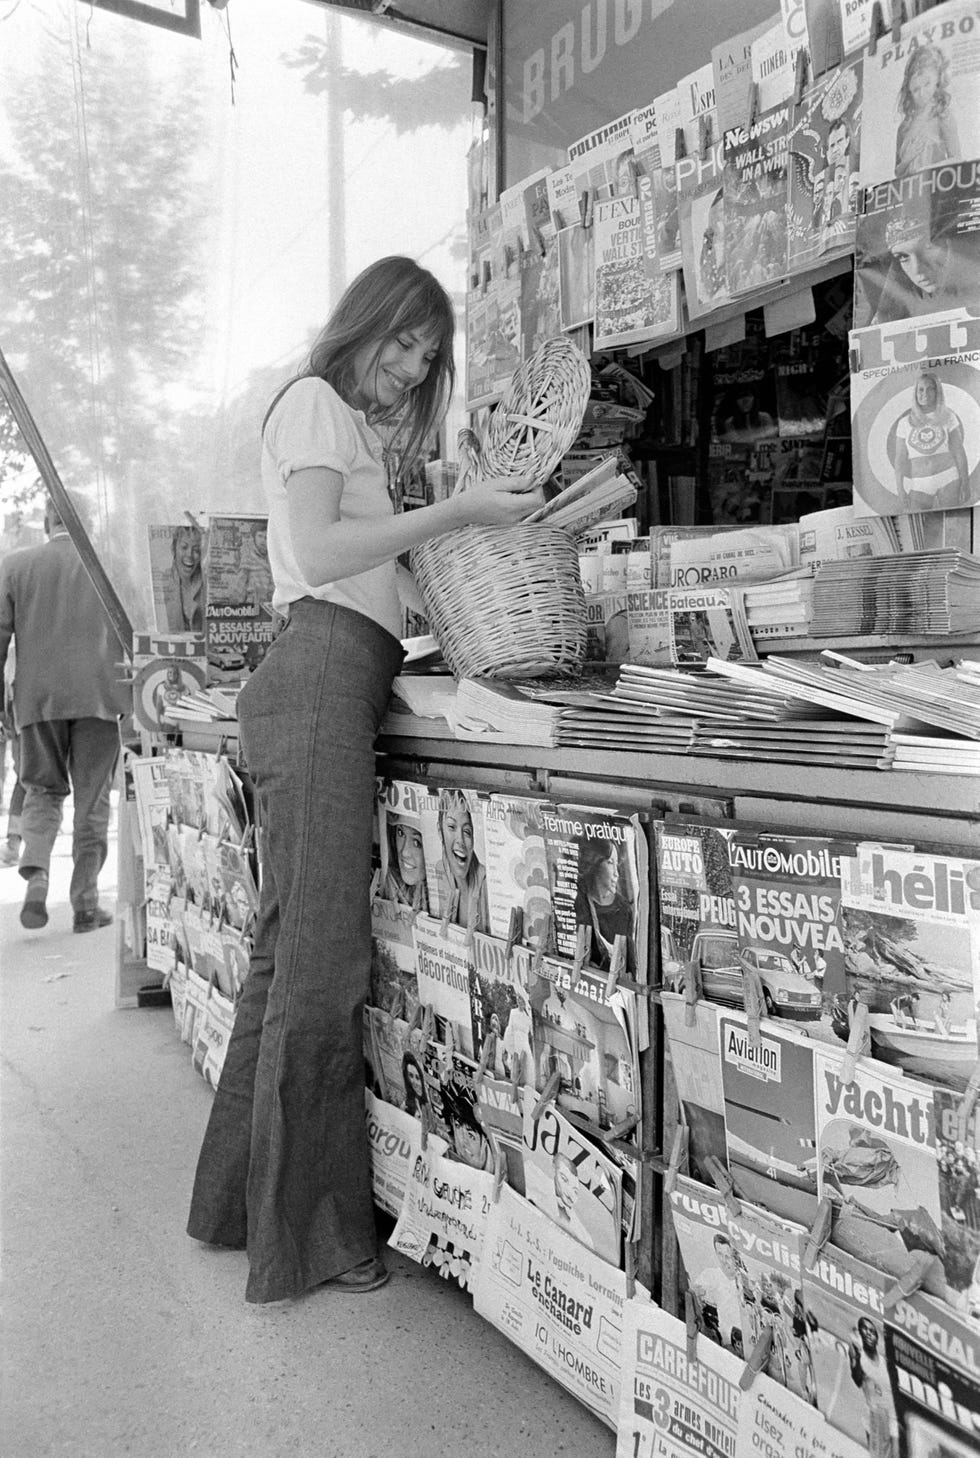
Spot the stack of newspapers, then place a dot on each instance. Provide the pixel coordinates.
(919, 593)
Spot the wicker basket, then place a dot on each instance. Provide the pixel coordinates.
(507, 602)
(504, 602)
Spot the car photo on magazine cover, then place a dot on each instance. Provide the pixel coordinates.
(716, 953)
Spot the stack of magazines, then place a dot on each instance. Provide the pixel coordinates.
(936, 592)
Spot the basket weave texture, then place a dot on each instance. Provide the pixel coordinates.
(539, 415)
(504, 602)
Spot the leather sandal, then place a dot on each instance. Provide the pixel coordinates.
(367, 1276)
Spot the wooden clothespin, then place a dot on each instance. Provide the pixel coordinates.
(499, 1174)
(968, 1103)
(450, 913)
(515, 930)
(472, 917)
(692, 994)
(680, 144)
(753, 104)
(899, 17)
(516, 1078)
(922, 1265)
(724, 1184)
(802, 75)
(678, 1156)
(877, 27)
(585, 207)
(424, 1117)
(544, 938)
(691, 1325)
(486, 1058)
(624, 1127)
(858, 1041)
(755, 1002)
(583, 947)
(193, 521)
(706, 133)
(428, 1023)
(375, 888)
(618, 962)
(819, 1234)
(630, 1270)
(548, 1095)
(758, 1359)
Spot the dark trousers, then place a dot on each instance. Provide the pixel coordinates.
(55, 757)
(284, 1169)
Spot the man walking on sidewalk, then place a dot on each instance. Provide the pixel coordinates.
(67, 701)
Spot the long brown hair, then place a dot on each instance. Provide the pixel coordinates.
(389, 297)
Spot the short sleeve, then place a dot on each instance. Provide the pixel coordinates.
(311, 426)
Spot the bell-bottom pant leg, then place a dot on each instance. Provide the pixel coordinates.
(288, 1115)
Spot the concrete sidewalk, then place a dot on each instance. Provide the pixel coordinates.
(122, 1336)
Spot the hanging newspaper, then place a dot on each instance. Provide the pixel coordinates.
(238, 595)
(500, 1006)
(443, 1218)
(915, 415)
(934, 1359)
(454, 844)
(755, 180)
(701, 212)
(403, 870)
(634, 301)
(517, 866)
(394, 980)
(571, 1180)
(958, 1155)
(696, 1065)
(385, 1062)
(554, 1299)
(597, 869)
(911, 927)
(444, 962)
(391, 1132)
(920, 102)
(823, 177)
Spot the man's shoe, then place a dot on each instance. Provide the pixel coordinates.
(86, 921)
(368, 1276)
(34, 912)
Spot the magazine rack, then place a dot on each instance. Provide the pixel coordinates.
(508, 602)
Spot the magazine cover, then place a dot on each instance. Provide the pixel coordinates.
(557, 1301)
(915, 415)
(911, 926)
(569, 1179)
(562, 198)
(503, 299)
(959, 1200)
(658, 196)
(597, 870)
(390, 1135)
(698, 115)
(517, 866)
(576, 276)
(701, 213)
(920, 97)
(238, 595)
(855, 22)
(732, 66)
(744, 1272)
(589, 1039)
(239, 893)
(445, 967)
(787, 898)
(843, 1299)
(633, 300)
(160, 943)
(709, 622)
(934, 1359)
(773, 66)
(770, 1116)
(152, 796)
(500, 1003)
(388, 1072)
(443, 1219)
(454, 845)
(540, 296)
(503, 1119)
(755, 184)
(394, 980)
(403, 870)
(602, 162)
(697, 908)
(825, 32)
(695, 1061)
(876, 1143)
(176, 576)
(823, 169)
(648, 627)
(918, 245)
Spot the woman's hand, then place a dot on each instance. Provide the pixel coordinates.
(500, 501)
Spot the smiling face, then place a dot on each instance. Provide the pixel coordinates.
(470, 1144)
(457, 840)
(408, 852)
(567, 1188)
(187, 551)
(384, 373)
(926, 393)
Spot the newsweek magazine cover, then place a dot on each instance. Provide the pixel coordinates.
(911, 927)
(597, 863)
(517, 866)
(391, 1132)
(444, 967)
(876, 1143)
(823, 171)
(934, 1359)
(695, 1062)
(843, 1299)
(238, 595)
(915, 415)
(958, 1158)
(394, 980)
(701, 212)
(770, 1116)
(787, 896)
(554, 1299)
(917, 247)
(920, 98)
(500, 1004)
(634, 301)
(401, 804)
(587, 1037)
(756, 183)
(744, 1272)
(568, 1178)
(454, 845)
(709, 622)
(443, 1218)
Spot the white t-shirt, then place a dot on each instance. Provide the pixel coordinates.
(312, 426)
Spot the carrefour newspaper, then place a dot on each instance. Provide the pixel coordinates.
(676, 1402)
(443, 1219)
(555, 1300)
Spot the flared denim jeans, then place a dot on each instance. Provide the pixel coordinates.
(284, 1170)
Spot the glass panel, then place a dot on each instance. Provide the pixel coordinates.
(179, 217)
